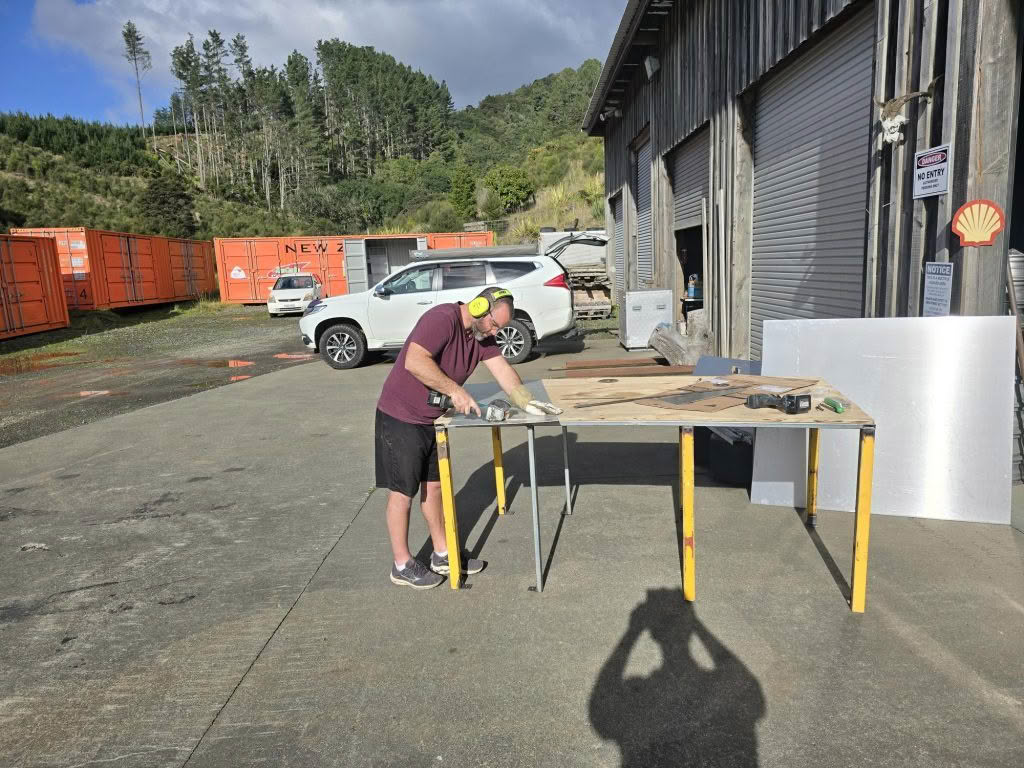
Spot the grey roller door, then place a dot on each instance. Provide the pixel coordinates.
(689, 164)
(1017, 270)
(620, 247)
(644, 231)
(355, 266)
(811, 152)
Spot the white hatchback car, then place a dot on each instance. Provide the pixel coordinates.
(344, 328)
(293, 293)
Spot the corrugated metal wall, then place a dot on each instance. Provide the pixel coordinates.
(644, 232)
(709, 51)
(690, 179)
(1017, 270)
(355, 266)
(811, 182)
(620, 246)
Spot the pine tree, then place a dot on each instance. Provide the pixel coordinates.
(135, 52)
(167, 208)
(462, 195)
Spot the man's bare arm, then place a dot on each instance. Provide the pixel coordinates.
(504, 374)
(420, 364)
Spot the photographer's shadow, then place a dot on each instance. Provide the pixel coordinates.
(690, 711)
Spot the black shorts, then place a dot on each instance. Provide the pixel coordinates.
(405, 454)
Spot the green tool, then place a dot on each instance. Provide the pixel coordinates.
(833, 405)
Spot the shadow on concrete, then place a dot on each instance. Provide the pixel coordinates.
(700, 707)
(826, 556)
(633, 463)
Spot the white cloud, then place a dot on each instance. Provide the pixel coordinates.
(478, 46)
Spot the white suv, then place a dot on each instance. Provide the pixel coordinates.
(344, 328)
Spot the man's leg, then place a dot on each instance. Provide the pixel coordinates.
(433, 513)
(398, 525)
(430, 503)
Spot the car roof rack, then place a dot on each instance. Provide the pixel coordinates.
(479, 252)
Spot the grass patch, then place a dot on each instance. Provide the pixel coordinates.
(207, 304)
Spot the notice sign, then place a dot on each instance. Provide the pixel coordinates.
(931, 172)
(938, 284)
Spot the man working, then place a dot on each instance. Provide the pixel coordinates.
(440, 354)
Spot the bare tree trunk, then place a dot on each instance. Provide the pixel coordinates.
(199, 146)
(174, 123)
(184, 130)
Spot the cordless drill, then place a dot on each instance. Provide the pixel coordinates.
(785, 403)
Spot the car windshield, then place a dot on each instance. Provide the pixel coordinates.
(293, 282)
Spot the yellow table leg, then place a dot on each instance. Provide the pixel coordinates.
(686, 501)
(812, 477)
(499, 469)
(451, 527)
(862, 524)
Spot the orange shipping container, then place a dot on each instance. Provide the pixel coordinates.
(31, 289)
(104, 270)
(459, 239)
(248, 267)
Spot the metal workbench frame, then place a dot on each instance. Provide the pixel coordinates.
(685, 425)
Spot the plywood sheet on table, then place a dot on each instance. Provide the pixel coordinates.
(570, 394)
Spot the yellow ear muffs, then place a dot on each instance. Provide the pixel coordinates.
(479, 306)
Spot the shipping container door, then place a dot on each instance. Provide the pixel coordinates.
(474, 239)
(183, 268)
(333, 267)
(307, 255)
(355, 266)
(122, 274)
(267, 258)
(812, 135)
(23, 298)
(439, 241)
(644, 230)
(196, 265)
(237, 270)
(77, 269)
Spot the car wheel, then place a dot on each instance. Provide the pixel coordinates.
(343, 346)
(515, 341)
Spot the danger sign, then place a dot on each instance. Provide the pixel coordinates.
(931, 172)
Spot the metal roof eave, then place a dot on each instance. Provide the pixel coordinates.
(620, 44)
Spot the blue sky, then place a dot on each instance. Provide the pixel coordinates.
(64, 56)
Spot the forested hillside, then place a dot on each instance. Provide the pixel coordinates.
(353, 141)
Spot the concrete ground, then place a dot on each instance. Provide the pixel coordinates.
(214, 592)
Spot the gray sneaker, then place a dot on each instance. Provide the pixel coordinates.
(415, 575)
(470, 565)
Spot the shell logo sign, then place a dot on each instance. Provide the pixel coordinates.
(978, 222)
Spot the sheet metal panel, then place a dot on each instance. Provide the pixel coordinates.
(939, 389)
(690, 164)
(620, 247)
(1017, 419)
(812, 132)
(644, 230)
(355, 266)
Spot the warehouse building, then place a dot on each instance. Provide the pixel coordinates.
(767, 147)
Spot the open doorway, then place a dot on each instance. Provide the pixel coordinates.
(690, 254)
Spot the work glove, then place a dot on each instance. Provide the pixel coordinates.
(523, 399)
(540, 408)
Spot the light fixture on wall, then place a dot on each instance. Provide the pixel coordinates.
(651, 65)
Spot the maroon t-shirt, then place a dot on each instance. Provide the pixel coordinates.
(455, 351)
